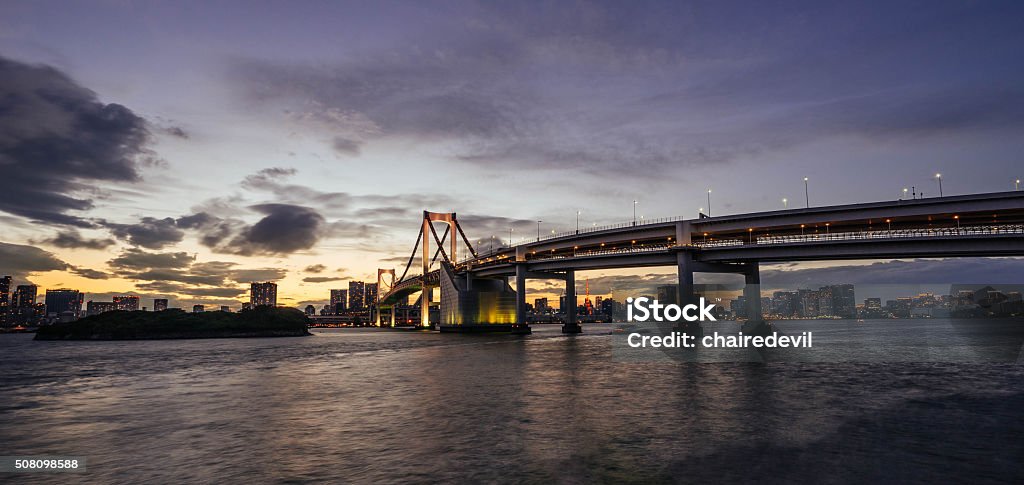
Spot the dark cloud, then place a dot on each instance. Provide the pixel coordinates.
(627, 88)
(261, 274)
(164, 287)
(345, 146)
(322, 279)
(921, 271)
(57, 140)
(316, 268)
(177, 132)
(90, 273)
(212, 230)
(19, 261)
(136, 259)
(150, 233)
(71, 239)
(273, 180)
(284, 229)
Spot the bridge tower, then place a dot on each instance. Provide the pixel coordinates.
(428, 231)
(380, 291)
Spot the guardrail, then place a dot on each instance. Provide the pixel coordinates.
(754, 240)
(866, 235)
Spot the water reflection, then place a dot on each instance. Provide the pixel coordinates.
(366, 406)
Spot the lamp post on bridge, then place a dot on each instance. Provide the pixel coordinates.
(538, 230)
(938, 177)
(785, 203)
(709, 202)
(807, 196)
(577, 222)
(1016, 185)
(510, 237)
(634, 212)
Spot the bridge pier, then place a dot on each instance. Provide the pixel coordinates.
(686, 295)
(571, 325)
(521, 327)
(752, 291)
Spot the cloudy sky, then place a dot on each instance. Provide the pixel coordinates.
(183, 149)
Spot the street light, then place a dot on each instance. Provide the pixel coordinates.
(510, 237)
(634, 212)
(938, 177)
(889, 222)
(577, 222)
(904, 193)
(709, 202)
(957, 223)
(538, 230)
(785, 203)
(807, 196)
(802, 229)
(1016, 184)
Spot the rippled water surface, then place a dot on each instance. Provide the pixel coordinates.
(391, 406)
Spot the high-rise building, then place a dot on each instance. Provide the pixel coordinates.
(844, 301)
(540, 305)
(225, 309)
(5, 294)
(667, 294)
(263, 294)
(356, 295)
(370, 295)
(63, 300)
(97, 307)
(198, 308)
(339, 302)
(128, 303)
(24, 296)
(159, 304)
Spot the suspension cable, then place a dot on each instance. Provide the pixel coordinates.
(465, 239)
(444, 237)
(419, 236)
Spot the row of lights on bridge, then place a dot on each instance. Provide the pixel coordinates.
(785, 204)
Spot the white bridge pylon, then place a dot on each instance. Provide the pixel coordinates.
(426, 233)
(429, 218)
(380, 286)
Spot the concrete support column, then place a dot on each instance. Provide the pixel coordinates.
(684, 268)
(425, 307)
(571, 326)
(520, 327)
(752, 291)
(686, 291)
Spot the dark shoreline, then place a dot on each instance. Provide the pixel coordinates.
(261, 322)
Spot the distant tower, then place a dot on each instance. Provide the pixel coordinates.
(588, 307)
(263, 294)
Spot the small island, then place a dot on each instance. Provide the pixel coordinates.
(176, 324)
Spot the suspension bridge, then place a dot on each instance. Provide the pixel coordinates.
(476, 294)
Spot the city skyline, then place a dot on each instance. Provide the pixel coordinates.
(206, 156)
